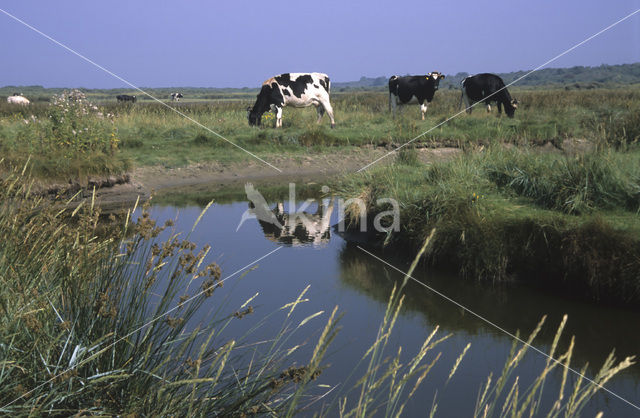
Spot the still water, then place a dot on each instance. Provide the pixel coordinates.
(338, 273)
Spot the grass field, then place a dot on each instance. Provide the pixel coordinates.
(149, 133)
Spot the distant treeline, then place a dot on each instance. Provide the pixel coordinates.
(574, 77)
(578, 77)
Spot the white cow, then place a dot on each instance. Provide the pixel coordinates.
(292, 89)
(17, 99)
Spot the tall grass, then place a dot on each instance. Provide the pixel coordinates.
(602, 180)
(68, 138)
(502, 214)
(102, 321)
(381, 390)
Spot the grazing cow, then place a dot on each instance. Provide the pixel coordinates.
(18, 99)
(487, 88)
(413, 89)
(176, 97)
(292, 89)
(126, 98)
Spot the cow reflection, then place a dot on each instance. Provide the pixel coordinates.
(300, 228)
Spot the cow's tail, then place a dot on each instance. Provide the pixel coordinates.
(393, 88)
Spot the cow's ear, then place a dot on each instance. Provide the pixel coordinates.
(441, 75)
(428, 75)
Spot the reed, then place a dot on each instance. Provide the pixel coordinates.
(100, 319)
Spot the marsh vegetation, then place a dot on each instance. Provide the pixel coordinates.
(78, 293)
(149, 133)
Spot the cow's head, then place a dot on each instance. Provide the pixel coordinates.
(253, 117)
(510, 109)
(435, 76)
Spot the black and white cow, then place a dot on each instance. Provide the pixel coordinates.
(413, 89)
(292, 89)
(300, 228)
(487, 88)
(176, 97)
(126, 98)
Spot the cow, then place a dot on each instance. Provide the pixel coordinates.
(18, 99)
(487, 88)
(299, 229)
(294, 229)
(292, 89)
(176, 97)
(126, 98)
(413, 89)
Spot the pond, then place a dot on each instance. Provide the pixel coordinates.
(339, 273)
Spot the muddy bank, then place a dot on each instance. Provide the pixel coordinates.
(315, 167)
(122, 192)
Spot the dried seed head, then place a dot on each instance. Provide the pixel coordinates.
(208, 287)
(174, 322)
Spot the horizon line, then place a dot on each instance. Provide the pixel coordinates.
(333, 82)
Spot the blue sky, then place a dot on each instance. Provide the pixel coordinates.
(237, 44)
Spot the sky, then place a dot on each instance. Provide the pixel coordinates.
(242, 43)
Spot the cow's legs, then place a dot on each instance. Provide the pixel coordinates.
(320, 110)
(499, 105)
(423, 109)
(467, 102)
(488, 107)
(278, 117)
(327, 107)
(393, 104)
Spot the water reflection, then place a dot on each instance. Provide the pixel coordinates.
(597, 329)
(341, 274)
(297, 228)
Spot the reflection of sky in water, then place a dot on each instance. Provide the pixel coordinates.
(340, 274)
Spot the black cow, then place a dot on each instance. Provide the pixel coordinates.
(126, 98)
(292, 89)
(487, 88)
(413, 89)
(176, 97)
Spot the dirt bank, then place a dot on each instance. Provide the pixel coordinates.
(144, 180)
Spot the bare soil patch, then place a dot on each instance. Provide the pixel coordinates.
(314, 167)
